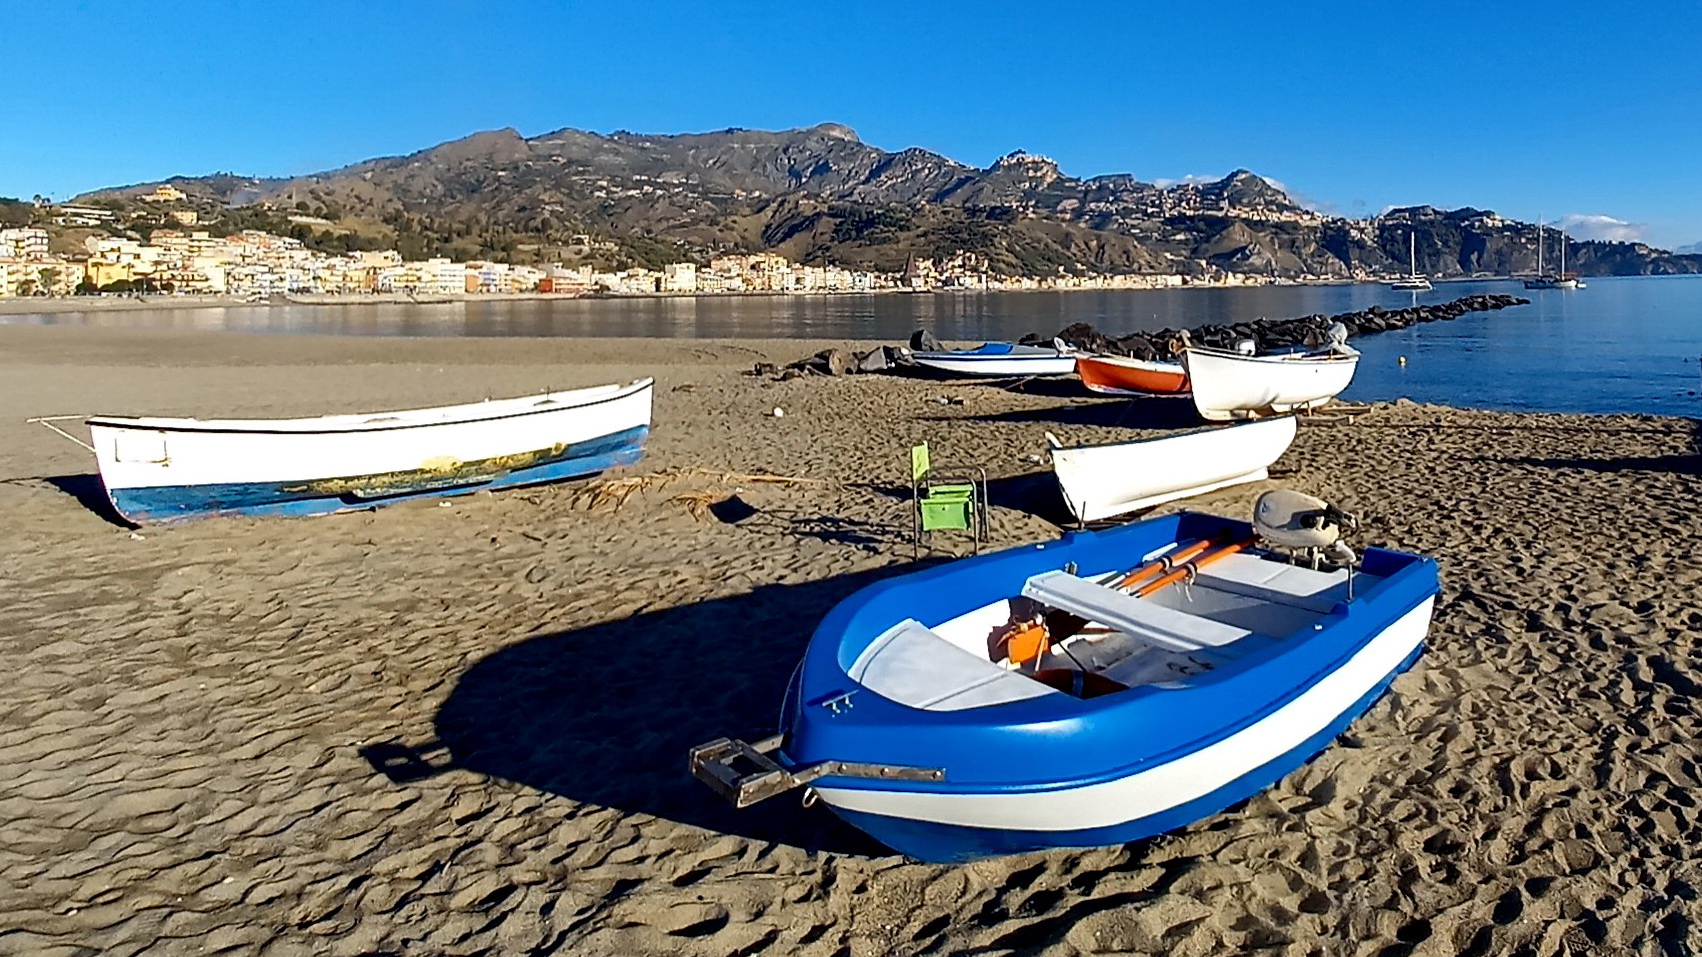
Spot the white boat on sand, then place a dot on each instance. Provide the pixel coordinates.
(164, 470)
(1233, 385)
(1099, 481)
(996, 359)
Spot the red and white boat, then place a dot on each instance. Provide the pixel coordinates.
(1123, 375)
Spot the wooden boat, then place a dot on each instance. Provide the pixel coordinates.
(1099, 481)
(997, 359)
(1123, 375)
(1233, 385)
(164, 470)
(1029, 699)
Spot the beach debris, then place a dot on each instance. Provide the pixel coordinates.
(612, 494)
(763, 369)
(137, 537)
(777, 413)
(922, 340)
(729, 509)
(949, 400)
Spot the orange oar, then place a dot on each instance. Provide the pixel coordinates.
(1182, 571)
(1166, 562)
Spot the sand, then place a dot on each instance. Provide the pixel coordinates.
(195, 717)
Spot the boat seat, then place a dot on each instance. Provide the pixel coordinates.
(1136, 617)
(1293, 585)
(912, 665)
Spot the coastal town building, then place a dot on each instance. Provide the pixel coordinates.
(254, 264)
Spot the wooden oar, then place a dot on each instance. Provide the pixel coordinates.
(1187, 568)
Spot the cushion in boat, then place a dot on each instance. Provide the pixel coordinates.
(1135, 617)
(910, 664)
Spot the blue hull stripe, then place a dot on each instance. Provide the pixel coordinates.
(171, 503)
(951, 843)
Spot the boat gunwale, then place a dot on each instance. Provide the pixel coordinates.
(1352, 355)
(1184, 433)
(827, 643)
(270, 426)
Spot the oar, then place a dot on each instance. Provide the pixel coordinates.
(1186, 569)
(1166, 562)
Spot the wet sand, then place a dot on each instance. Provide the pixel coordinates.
(462, 729)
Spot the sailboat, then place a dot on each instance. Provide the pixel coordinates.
(1545, 280)
(1412, 280)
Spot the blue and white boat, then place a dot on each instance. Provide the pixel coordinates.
(996, 359)
(1122, 716)
(160, 470)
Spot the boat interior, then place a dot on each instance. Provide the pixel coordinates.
(1095, 637)
(363, 421)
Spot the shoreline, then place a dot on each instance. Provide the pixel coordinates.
(60, 305)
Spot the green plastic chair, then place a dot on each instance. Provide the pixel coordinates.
(945, 500)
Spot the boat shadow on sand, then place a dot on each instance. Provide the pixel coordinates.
(87, 489)
(1143, 413)
(604, 715)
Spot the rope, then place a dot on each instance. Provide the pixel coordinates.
(48, 420)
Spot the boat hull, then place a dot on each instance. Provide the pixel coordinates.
(1118, 375)
(1162, 800)
(167, 470)
(1229, 386)
(1056, 771)
(1105, 480)
(998, 360)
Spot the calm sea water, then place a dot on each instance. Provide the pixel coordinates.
(1620, 345)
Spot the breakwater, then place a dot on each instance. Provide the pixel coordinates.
(1272, 334)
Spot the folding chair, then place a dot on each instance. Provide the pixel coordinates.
(953, 499)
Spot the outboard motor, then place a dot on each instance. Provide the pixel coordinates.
(1305, 525)
(1336, 335)
(1246, 347)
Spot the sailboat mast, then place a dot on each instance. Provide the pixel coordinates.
(1539, 247)
(1412, 252)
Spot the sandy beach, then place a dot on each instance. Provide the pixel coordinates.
(461, 728)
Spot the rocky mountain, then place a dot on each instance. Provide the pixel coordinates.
(820, 194)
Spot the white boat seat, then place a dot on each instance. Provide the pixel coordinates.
(912, 665)
(1282, 583)
(1135, 617)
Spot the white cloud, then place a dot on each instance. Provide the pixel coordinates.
(1192, 179)
(1597, 226)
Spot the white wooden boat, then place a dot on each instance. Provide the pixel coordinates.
(1099, 481)
(1232, 385)
(163, 470)
(1000, 359)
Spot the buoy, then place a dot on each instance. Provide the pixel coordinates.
(1403, 360)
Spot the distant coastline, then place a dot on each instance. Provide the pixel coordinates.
(58, 305)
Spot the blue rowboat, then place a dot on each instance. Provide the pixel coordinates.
(1134, 716)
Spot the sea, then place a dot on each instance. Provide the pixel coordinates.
(1622, 344)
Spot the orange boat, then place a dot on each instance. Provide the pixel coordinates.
(1122, 374)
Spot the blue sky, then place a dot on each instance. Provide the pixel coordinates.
(1532, 109)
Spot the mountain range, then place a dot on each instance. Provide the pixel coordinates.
(821, 195)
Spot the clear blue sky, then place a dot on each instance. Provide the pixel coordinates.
(1557, 108)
